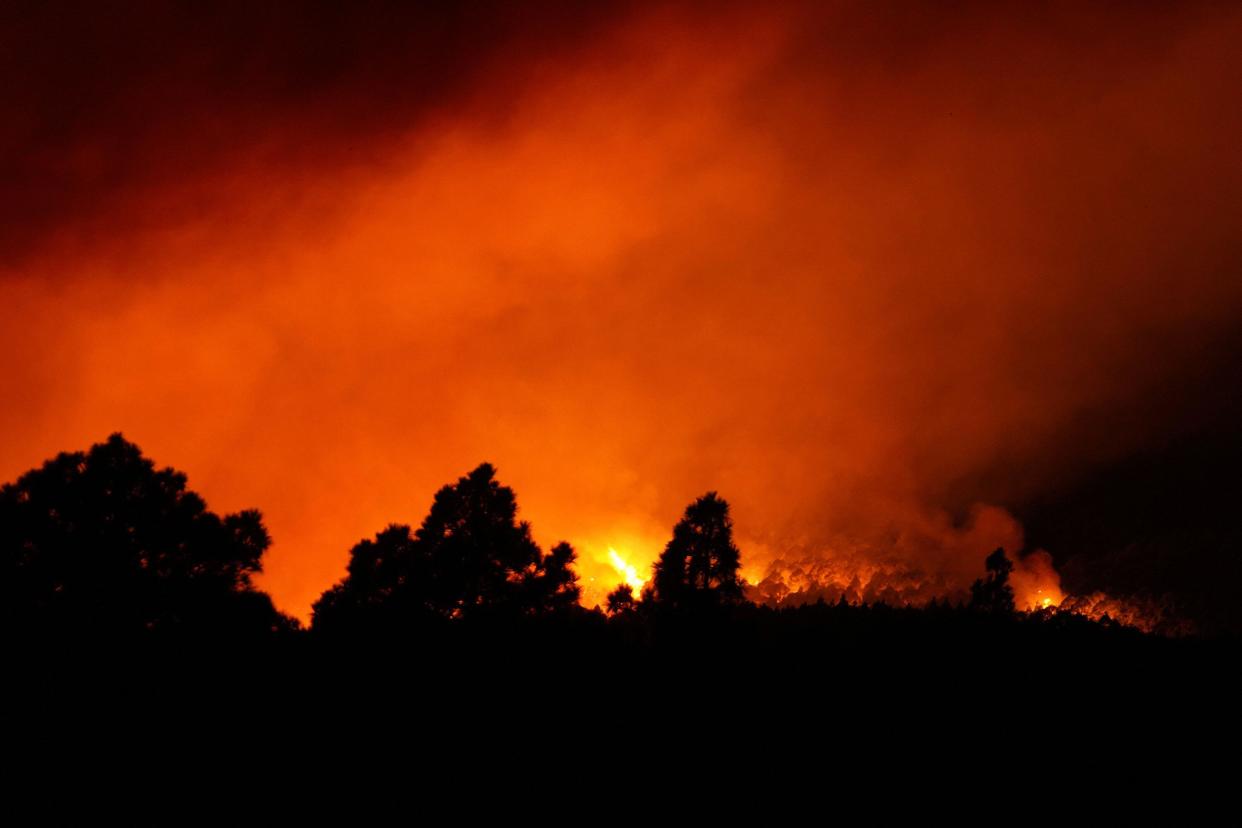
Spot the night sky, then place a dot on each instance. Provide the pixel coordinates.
(903, 283)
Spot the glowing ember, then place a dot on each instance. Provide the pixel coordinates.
(627, 571)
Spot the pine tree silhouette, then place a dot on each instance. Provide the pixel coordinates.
(699, 566)
(993, 593)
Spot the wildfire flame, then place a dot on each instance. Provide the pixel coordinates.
(628, 573)
(1035, 582)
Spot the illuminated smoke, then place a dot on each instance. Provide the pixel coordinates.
(873, 276)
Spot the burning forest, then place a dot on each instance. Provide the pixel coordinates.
(882, 351)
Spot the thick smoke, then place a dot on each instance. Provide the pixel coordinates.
(879, 278)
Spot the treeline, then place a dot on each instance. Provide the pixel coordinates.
(103, 546)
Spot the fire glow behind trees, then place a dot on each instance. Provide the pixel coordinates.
(904, 285)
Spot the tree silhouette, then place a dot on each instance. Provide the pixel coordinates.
(386, 584)
(103, 543)
(699, 566)
(554, 586)
(992, 593)
(621, 600)
(469, 558)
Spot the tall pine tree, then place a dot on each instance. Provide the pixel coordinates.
(699, 566)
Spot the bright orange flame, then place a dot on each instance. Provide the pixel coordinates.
(629, 574)
(1041, 599)
(1036, 583)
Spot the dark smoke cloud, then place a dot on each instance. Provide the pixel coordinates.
(107, 104)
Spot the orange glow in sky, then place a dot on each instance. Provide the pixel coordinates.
(871, 285)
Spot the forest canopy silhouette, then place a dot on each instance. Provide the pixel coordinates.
(103, 543)
(904, 285)
(469, 558)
